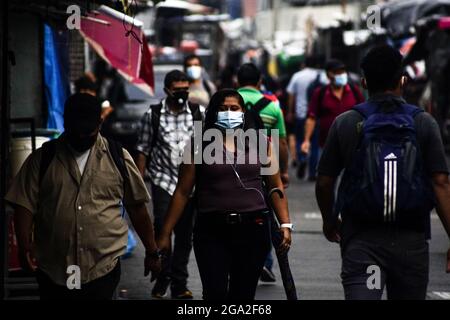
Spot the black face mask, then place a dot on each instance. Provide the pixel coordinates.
(81, 144)
(179, 98)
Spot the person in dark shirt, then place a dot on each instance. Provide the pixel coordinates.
(231, 234)
(395, 254)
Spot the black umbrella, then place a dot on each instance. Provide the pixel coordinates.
(282, 257)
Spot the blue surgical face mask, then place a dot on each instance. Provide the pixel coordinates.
(341, 80)
(229, 119)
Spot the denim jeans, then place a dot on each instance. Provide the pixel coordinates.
(385, 257)
(313, 158)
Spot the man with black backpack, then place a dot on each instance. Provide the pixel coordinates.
(395, 173)
(67, 198)
(166, 128)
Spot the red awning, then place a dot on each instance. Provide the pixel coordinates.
(106, 32)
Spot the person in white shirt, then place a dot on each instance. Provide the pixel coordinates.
(298, 101)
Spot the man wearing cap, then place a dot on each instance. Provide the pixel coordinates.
(68, 216)
(330, 101)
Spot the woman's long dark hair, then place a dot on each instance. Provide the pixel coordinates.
(218, 99)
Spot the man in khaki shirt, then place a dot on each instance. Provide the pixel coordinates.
(74, 210)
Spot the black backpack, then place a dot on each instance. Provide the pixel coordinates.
(386, 180)
(256, 109)
(115, 149)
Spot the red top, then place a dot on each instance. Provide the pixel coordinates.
(331, 107)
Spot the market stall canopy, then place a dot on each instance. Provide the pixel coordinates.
(399, 17)
(120, 41)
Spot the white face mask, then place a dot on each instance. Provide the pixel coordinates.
(229, 119)
(194, 72)
(341, 80)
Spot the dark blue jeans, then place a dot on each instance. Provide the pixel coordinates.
(174, 264)
(385, 257)
(314, 152)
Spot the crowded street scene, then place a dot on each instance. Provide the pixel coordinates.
(233, 152)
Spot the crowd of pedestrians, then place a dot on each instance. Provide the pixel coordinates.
(379, 166)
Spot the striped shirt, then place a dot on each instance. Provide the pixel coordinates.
(175, 131)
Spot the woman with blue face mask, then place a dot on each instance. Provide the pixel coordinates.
(231, 234)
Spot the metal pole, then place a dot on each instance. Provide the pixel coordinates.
(275, 12)
(4, 143)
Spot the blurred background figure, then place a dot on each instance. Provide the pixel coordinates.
(328, 102)
(227, 78)
(298, 98)
(200, 89)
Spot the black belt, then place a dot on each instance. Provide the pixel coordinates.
(232, 217)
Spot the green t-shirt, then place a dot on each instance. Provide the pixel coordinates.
(272, 116)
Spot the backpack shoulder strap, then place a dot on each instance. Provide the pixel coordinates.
(48, 153)
(354, 91)
(313, 86)
(261, 104)
(195, 110)
(412, 110)
(155, 122)
(322, 91)
(116, 151)
(365, 109)
(207, 87)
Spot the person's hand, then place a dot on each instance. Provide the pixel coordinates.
(332, 231)
(290, 118)
(306, 145)
(152, 263)
(285, 179)
(448, 261)
(26, 259)
(286, 242)
(164, 243)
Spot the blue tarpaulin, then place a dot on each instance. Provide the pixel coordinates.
(56, 80)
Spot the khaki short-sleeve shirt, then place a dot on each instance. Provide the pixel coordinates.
(78, 218)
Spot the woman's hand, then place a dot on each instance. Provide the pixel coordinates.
(286, 240)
